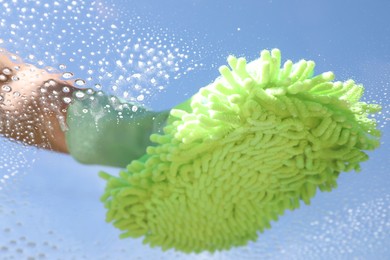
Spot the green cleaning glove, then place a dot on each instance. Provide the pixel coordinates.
(255, 142)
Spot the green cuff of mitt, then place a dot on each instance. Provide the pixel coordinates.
(106, 131)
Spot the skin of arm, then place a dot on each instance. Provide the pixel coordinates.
(33, 104)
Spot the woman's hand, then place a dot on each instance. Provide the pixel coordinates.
(33, 104)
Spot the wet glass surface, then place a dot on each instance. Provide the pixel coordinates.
(158, 54)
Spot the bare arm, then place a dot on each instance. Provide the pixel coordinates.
(33, 104)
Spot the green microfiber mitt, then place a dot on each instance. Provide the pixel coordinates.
(241, 151)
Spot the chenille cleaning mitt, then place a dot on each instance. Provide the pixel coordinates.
(245, 148)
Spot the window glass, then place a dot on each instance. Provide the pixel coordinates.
(156, 54)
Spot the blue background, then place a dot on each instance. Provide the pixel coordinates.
(49, 204)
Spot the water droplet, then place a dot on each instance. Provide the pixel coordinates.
(7, 71)
(67, 100)
(85, 110)
(6, 88)
(65, 89)
(3, 77)
(67, 75)
(134, 108)
(52, 83)
(15, 78)
(140, 97)
(1, 98)
(98, 86)
(79, 94)
(16, 94)
(62, 66)
(31, 244)
(79, 82)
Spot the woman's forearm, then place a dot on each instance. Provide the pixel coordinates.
(32, 106)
